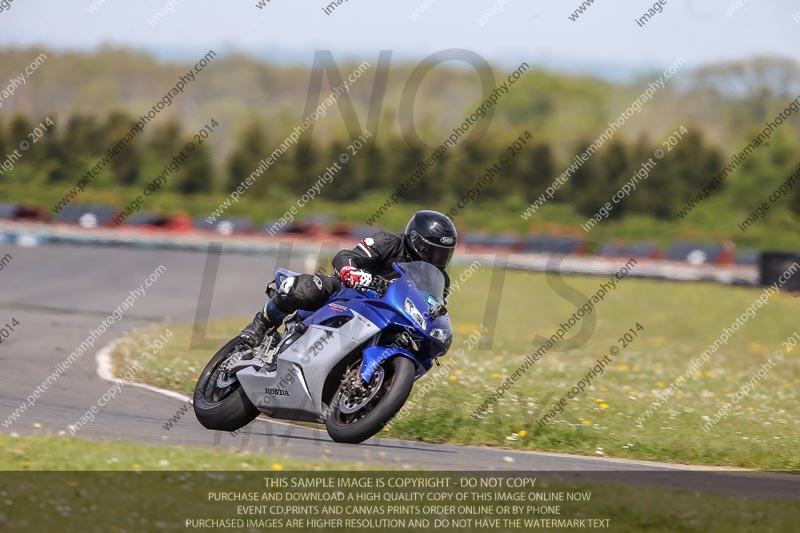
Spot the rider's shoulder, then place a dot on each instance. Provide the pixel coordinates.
(387, 238)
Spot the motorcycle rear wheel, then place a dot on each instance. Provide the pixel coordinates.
(222, 408)
(350, 423)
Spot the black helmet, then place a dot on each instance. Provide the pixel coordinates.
(431, 237)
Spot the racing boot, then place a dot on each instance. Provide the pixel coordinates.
(270, 317)
(254, 332)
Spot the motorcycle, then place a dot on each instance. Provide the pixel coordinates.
(350, 365)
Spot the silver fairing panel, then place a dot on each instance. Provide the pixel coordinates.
(294, 390)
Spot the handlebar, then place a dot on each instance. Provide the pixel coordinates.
(379, 285)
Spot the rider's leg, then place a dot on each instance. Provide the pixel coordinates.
(307, 292)
(269, 317)
(304, 291)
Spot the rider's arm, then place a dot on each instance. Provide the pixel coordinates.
(446, 285)
(369, 253)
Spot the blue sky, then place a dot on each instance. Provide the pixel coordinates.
(536, 31)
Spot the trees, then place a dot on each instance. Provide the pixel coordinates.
(197, 171)
(406, 162)
(82, 137)
(373, 166)
(648, 195)
(57, 160)
(250, 149)
(68, 149)
(126, 165)
(690, 165)
(348, 181)
(166, 140)
(19, 129)
(540, 171)
(4, 145)
(617, 169)
(306, 161)
(585, 188)
(461, 167)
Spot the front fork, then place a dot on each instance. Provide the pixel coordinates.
(375, 356)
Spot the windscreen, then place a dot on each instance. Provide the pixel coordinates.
(426, 277)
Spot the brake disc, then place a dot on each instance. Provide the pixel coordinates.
(349, 405)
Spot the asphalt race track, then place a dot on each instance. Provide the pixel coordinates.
(59, 293)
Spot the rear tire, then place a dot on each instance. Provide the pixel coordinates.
(399, 379)
(225, 409)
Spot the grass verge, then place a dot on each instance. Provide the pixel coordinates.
(60, 453)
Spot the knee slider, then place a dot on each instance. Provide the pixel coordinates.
(272, 289)
(287, 286)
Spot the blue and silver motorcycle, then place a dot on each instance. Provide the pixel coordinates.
(351, 364)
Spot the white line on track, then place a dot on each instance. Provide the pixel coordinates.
(105, 371)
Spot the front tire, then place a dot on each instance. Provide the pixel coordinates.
(397, 379)
(223, 408)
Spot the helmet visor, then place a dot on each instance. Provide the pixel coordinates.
(435, 254)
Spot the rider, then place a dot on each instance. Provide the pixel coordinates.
(429, 236)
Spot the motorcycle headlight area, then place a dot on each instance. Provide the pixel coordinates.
(414, 313)
(440, 334)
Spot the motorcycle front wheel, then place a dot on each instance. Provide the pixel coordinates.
(219, 401)
(357, 411)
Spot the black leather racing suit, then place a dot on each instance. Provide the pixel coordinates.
(309, 292)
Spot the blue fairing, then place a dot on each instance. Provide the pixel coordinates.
(402, 301)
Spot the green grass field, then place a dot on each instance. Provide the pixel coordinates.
(59, 453)
(678, 322)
